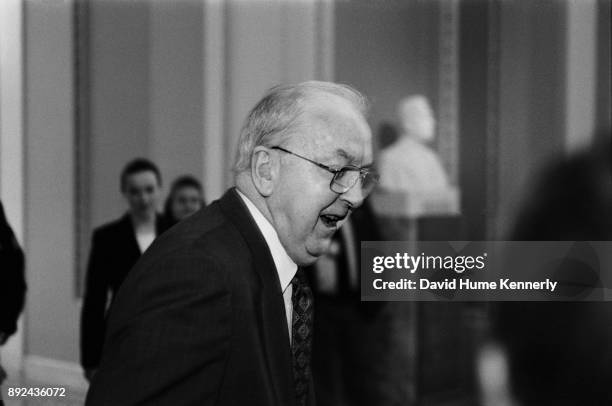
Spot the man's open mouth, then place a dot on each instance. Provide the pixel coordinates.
(331, 220)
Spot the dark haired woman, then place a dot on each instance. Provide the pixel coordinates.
(185, 198)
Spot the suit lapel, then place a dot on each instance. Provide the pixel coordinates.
(130, 235)
(161, 224)
(273, 318)
(130, 232)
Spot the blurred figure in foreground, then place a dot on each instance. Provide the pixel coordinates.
(572, 201)
(185, 198)
(557, 353)
(12, 283)
(549, 354)
(115, 248)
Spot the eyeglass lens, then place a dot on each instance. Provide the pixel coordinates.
(346, 179)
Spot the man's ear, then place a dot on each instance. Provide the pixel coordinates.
(263, 170)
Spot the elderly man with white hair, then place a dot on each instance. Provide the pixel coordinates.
(218, 311)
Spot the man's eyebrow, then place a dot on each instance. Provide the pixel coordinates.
(350, 158)
(345, 155)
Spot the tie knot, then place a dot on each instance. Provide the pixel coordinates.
(299, 279)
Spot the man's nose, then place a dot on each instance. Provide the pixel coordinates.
(354, 196)
(145, 198)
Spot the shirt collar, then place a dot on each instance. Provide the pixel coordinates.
(285, 266)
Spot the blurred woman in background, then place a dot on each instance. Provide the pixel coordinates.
(185, 198)
(115, 248)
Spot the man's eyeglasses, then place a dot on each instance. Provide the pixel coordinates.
(346, 177)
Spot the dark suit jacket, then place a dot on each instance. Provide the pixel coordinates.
(114, 251)
(12, 278)
(200, 320)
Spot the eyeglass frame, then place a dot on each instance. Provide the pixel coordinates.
(362, 171)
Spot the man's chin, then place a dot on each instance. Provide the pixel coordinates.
(320, 249)
(306, 261)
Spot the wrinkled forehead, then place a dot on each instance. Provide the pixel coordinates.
(334, 128)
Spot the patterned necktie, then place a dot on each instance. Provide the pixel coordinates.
(301, 332)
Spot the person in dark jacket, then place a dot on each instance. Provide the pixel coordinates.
(12, 283)
(115, 248)
(219, 311)
(557, 353)
(12, 279)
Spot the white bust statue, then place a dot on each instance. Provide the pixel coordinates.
(410, 164)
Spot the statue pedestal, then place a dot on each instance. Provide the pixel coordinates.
(442, 202)
(434, 341)
(399, 212)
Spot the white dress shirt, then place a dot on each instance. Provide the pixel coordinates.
(285, 266)
(145, 238)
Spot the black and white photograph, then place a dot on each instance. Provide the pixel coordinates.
(305, 203)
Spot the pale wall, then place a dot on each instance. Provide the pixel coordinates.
(146, 72)
(119, 95)
(388, 51)
(547, 105)
(52, 309)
